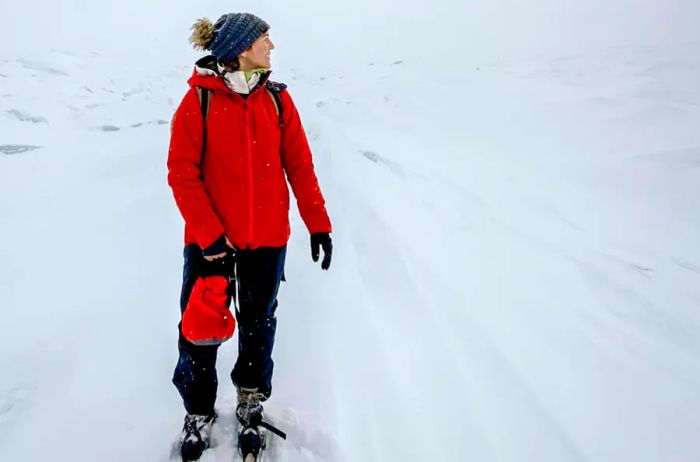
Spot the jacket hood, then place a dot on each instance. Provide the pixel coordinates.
(206, 74)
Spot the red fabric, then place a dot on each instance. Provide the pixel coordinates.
(207, 319)
(240, 189)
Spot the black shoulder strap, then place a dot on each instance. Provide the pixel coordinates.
(203, 94)
(278, 100)
(203, 101)
(274, 89)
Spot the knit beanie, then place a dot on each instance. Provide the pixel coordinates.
(230, 36)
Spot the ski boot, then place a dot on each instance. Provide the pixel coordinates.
(195, 436)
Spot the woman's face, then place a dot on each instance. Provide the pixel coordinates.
(258, 55)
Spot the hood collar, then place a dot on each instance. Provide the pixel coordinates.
(208, 74)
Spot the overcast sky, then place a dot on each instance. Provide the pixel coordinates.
(358, 28)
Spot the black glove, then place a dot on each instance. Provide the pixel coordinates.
(217, 247)
(322, 240)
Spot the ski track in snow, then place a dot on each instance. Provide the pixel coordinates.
(509, 294)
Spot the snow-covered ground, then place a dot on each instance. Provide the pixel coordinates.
(516, 274)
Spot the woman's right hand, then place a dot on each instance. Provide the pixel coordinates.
(220, 254)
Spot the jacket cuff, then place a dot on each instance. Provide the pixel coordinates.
(319, 224)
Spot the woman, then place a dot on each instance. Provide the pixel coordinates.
(234, 138)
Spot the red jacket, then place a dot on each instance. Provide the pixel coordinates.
(238, 187)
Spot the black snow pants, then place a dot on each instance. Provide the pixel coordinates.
(259, 274)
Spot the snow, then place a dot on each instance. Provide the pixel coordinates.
(516, 269)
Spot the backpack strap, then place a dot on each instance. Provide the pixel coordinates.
(274, 89)
(204, 96)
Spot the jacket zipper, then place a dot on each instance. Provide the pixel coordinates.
(250, 179)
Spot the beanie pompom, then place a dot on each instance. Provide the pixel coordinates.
(202, 33)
